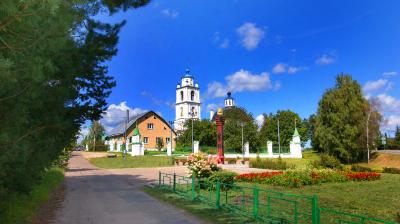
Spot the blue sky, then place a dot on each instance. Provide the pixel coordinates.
(271, 54)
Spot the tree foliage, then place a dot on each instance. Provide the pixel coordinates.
(287, 120)
(53, 77)
(341, 119)
(397, 136)
(204, 131)
(234, 118)
(94, 138)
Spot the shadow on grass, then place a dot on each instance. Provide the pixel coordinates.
(197, 208)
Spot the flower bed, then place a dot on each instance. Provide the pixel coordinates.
(363, 175)
(255, 177)
(301, 177)
(200, 165)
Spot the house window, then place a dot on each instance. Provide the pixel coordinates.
(158, 139)
(181, 95)
(192, 95)
(145, 140)
(167, 140)
(150, 126)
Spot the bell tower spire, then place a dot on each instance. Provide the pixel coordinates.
(188, 103)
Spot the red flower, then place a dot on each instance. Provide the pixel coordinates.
(257, 176)
(362, 175)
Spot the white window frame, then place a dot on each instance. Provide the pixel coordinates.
(146, 140)
(150, 126)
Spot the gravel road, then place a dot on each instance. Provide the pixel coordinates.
(97, 196)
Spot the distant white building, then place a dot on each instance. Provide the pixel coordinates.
(188, 105)
(229, 101)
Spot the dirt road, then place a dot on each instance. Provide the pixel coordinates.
(97, 196)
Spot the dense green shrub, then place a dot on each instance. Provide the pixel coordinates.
(358, 168)
(63, 159)
(391, 170)
(327, 161)
(226, 178)
(272, 164)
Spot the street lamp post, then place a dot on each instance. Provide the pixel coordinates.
(192, 115)
(242, 125)
(279, 140)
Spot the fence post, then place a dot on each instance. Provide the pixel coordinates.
(255, 202)
(159, 179)
(174, 183)
(193, 188)
(218, 194)
(315, 210)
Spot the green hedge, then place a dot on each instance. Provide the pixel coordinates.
(273, 164)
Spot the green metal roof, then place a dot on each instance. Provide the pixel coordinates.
(136, 131)
(296, 133)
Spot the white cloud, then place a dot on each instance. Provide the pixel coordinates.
(221, 42)
(260, 120)
(216, 89)
(170, 13)
(391, 122)
(326, 59)
(277, 85)
(212, 106)
(250, 35)
(389, 74)
(279, 68)
(240, 81)
(389, 103)
(224, 44)
(284, 68)
(375, 85)
(243, 80)
(116, 114)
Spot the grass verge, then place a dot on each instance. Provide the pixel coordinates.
(132, 162)
(196, 208)
(377, 199)
(21, 208)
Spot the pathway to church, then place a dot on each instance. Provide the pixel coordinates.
(99, 196)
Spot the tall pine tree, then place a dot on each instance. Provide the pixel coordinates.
(53, 77)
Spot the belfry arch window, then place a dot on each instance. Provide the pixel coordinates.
(192, 96)
(181, 95)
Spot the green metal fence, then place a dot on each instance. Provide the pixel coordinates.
(263, 205)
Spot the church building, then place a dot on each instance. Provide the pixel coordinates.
(188, 103)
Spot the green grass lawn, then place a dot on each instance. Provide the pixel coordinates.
(132, 162)
(308, 157)
(379, 199)
(201, 210)
(21, 208)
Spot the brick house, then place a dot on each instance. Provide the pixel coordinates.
(152, 128)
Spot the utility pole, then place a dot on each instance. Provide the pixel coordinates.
(369, 115)
(125, 136)
(192, 134)
(279, 140)
(94, 135)
(242, 124)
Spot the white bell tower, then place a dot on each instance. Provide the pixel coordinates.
(187, 104)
